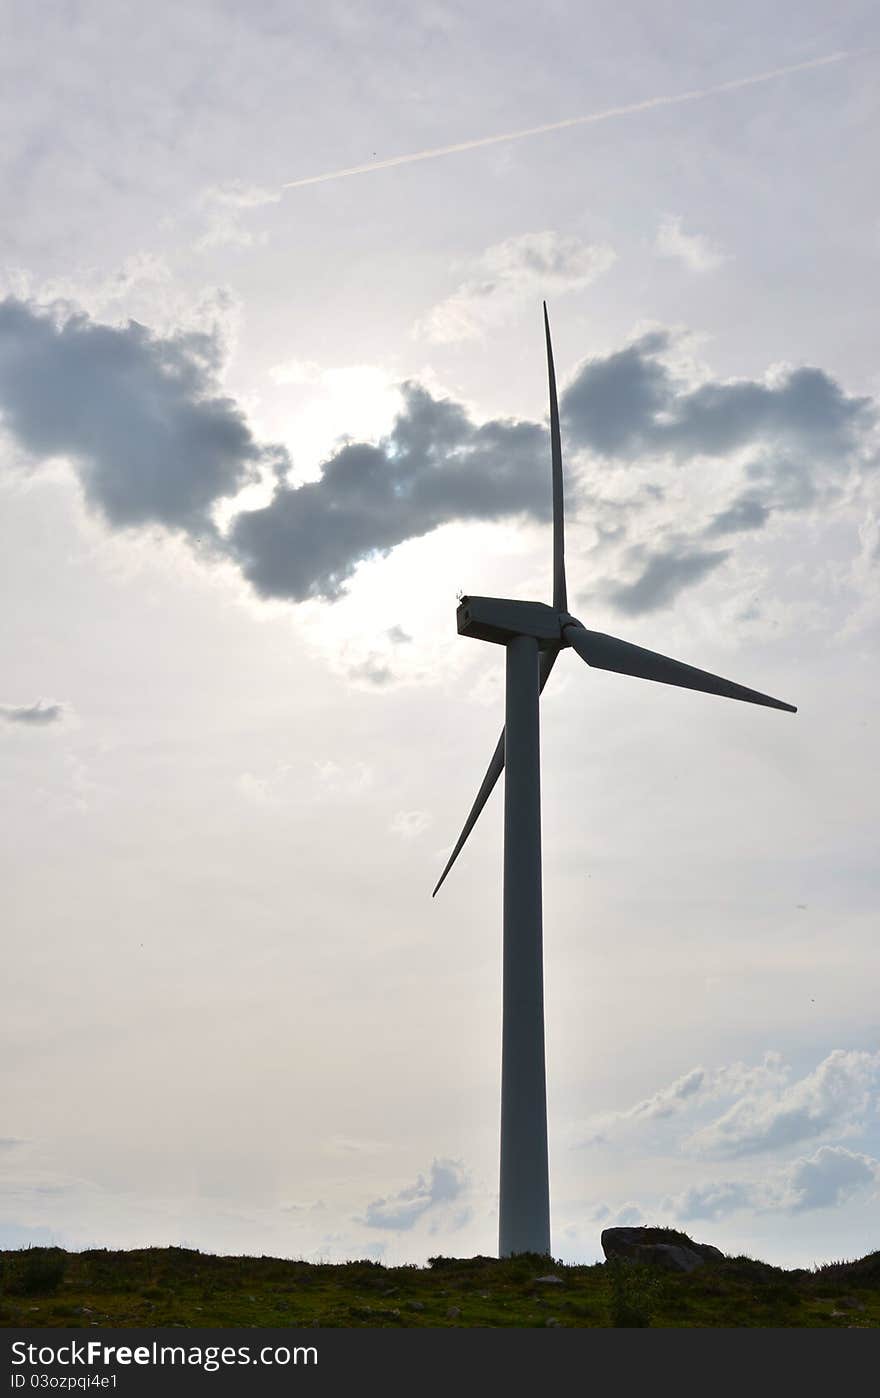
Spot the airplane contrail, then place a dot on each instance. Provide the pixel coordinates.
(607, 114)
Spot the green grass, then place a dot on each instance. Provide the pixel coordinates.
(181, 1287)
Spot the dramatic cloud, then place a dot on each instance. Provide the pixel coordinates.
(694, 250)
(155, 442)
(631, 404)
(789, 441)
(152, 439)
(37, 715)
(831, 1098)
(435, 466)
(445, 1183)
(611, 405)
(520, 271)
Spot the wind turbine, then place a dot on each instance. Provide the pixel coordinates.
(533, 634)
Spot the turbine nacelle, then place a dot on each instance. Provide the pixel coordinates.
(499, 619)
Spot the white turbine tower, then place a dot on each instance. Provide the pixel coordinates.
(533, 634)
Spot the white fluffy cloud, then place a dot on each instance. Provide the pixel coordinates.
(513, 273)
(665, 1102)
(830, 1099)
(767, 1111)
(830, 1177)
(224, 207)
(688, 1093)
(443, 1185)
(693, 249)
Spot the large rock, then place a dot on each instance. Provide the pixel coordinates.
(658, 1247)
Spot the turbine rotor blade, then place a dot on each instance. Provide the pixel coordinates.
(560, 601)
(493, 772)
(608, 653)
(546, 662)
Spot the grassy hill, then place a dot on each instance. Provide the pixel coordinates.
(180, 1287)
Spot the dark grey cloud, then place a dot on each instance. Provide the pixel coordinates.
(631, 404)
(789, 482)
(434, 467)
(663, 577)
(778, 481)
(612, 403)
(747, 511)
(445, 1183)
(152, 439)
(37, 715)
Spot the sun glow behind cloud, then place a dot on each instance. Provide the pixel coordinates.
(314, 409)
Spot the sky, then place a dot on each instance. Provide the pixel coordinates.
(258, 429)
